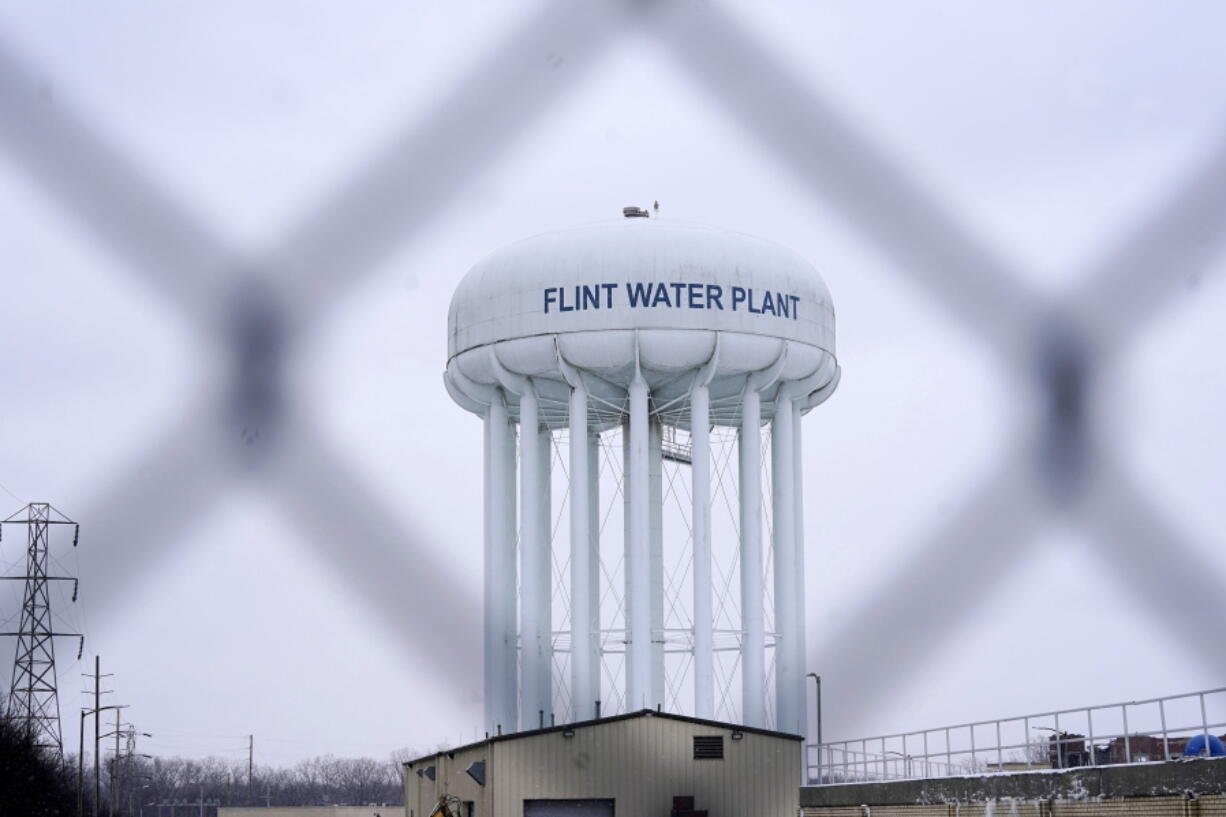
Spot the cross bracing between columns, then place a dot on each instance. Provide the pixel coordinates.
(676, 573)
(677, 634)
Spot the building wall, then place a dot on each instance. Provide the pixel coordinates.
(421, 794)
(641, 763)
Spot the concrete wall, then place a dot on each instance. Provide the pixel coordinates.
(640, 762)
(1191, 787)
(1212, 805)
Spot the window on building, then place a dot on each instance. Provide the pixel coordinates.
(708, 747)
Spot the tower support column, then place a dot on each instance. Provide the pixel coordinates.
(802, 643)
(499, 574)
(704, 623)
(582, 639)
(753, 637)
(638, 551)
(535, 597)
(789, 667)
(593, 612)
(655, 465)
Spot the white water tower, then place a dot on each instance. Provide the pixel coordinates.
(632, 376)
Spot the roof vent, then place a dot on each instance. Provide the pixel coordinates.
(635, 212)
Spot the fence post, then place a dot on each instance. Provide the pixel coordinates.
(1127, 741)
(1059, 744)
(1166, 743)
(1204, 724)
(1090, 737)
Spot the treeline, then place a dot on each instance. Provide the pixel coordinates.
(320, 781)
(34, 783)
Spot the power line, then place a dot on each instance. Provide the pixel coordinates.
(10, 493)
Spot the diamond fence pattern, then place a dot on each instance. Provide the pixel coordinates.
(258, 311)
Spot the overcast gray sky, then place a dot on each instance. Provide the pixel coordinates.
(1047, 132)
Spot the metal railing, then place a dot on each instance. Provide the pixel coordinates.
(1151, 730)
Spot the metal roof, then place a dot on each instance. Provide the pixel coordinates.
(641, 713)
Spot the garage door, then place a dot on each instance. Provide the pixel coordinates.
(568, 808)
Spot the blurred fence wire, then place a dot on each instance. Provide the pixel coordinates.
(256, 312)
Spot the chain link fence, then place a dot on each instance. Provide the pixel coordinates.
(257, 314)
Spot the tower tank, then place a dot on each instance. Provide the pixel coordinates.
(619, 368)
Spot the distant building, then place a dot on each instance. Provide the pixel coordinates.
(640, 763)
(1068, 750)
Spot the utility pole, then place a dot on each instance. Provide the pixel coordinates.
(114, 760)
(115, 768)
(97, 709)
(97, 730)
(114, 772)
(250, 758)
(81, 767)
(33, 698)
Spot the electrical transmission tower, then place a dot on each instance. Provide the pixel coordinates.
(33, 698)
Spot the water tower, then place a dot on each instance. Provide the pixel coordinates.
(641, 550)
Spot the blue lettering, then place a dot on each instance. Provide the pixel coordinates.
(639, 294)
(694, 293)
(591, 297)
(677, 293)
(683, 295)
(661, 296)
(751, 309)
